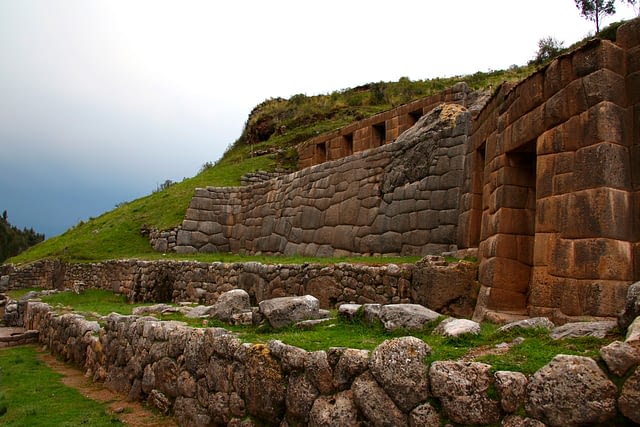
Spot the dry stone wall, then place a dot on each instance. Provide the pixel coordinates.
(209, 377)
(446, 288)
(400, 198)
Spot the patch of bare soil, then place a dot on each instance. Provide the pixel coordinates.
(133, 414)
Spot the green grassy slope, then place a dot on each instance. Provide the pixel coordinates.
(275, 126)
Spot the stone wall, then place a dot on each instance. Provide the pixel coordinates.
(446, 288)
(382, 128)
(400, 198)
(547, 188)
(551, 191)
(209, 377)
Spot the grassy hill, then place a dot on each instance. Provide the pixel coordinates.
(274, 127)
(268, 141)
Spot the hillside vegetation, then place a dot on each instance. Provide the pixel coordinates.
(268, 141)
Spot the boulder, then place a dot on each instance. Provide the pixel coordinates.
(629, 400)
(571, 391)
(375, 404)
(284, 311)
(265, 387)
(456, 327)
(619, 357)
(462, 388)
(351, 364)
(371, 313)
(158, 400)
(335, 410)
(148, 310)
(349, 311)
(301, 395)
(398, 366)
(230, 304)
(512, 388)
(189, 413)
(532, 323)
(633, 334)
(450, 289)
(406, 316)
(198, 311)
(518, 421)
(583, 329)
(631, 308)
(424, 415)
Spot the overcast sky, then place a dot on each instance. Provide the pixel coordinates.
(102, 101)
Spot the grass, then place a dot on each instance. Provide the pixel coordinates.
(535, 351)
(33, 395)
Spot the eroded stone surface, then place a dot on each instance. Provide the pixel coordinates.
(620, 357)
(629, 401)
(336, 410)
(398, 365)
(462, 389)
(456, 327)
(406, 316)
(571, 391)
(230, 303)
(512, 388)
(375, 404)
(281, 312)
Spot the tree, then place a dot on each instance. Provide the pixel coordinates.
(595, 10)
(633, 4)
(548, 48)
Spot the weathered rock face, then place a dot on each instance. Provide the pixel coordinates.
(631, 308)
(462, 389)
(571, 391)
(405, 316)
(457, 327)
(399, 365)
(629, 400)
(281, 312)
(230, 304)
(450, 289)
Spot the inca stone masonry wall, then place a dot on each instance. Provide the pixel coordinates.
(447, 288)
(553, 183)
(209, 377)
(547, 188)
(399, 198)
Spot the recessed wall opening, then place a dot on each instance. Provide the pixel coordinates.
(348, 144)
(379, 134)
(321, 153)
(414, 116)
(477, 183)
(517, 206)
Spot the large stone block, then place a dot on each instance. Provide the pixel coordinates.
(595, 258)
(505, 273)
(604, 85)
(558, 75)
(598, 212)
(628, 35)
(565, 104)
(597, 55)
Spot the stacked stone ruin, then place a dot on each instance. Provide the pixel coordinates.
(543, 178)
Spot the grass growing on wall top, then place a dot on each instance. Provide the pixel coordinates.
(535, 351)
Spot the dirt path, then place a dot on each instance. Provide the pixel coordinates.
(131, 413)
